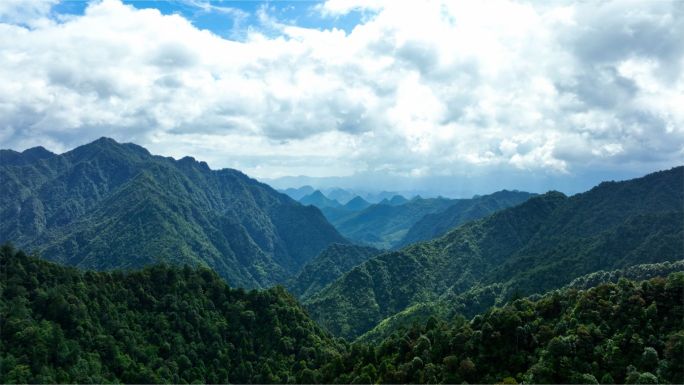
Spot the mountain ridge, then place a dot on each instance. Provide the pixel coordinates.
(73, 205)
(523, 247)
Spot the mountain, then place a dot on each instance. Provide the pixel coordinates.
(10, 157)
(329, 265)
(159, 325)
(396, 200)
(397, 221)
(108, 205)
(382, 224)
(319, 200)
(463, 210)
(356, 204)
(333, 214)
(168, 324)
(480, 298)
(539, 245)
(298, 193)
(339, 194)
(628, 332)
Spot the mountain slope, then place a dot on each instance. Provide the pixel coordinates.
(480, 298)
(180, 325)
(629, 332)
(108, 205)
(334, 261)
(382, 224)
(297, 193)
(463, 210)
(319, 200)
(539, 245)
(334, 214)
(159, 325)
(356, 204)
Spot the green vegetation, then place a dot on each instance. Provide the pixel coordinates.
(183, 325)
(327, 267)
(537, 246)
(462, 211)
(161, 324)
(107, 205)
(397, 221)
(615, 333)
(480, 298)
(382, 224)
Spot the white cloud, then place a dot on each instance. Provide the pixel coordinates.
(415, 89)
(32, 13)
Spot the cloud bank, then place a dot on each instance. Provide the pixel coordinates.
(417, 89)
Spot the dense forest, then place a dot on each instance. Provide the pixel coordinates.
(539, 245)
(181, 324)
(161, 324)
(108, 205)
(326, 267)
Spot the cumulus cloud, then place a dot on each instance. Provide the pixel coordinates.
(415, 89)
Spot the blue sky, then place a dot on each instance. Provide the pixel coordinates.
(453, 97)
(231, 19)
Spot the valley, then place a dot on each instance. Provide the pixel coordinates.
(112, 255)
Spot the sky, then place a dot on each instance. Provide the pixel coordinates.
(448, 97)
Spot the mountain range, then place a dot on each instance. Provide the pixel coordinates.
(138, 263)
(107, 205)
(167, 324)
(397, 221)
(534, 247)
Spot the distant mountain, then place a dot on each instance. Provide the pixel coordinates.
(319, 200)
(382, 224)
(539, 245)
(298, 193)
(334, 261)
(356, 204)
(396, 200)
(377, 197)
(392, 222)
(339, 194)
(462, 211)
(108, 205)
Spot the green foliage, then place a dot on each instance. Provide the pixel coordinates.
(398, 222)
(531, 248)
(161, 324)
(334, 261)
(566, 336)
(184, 325)
(107, 205)
(383, 224)
(462, 211)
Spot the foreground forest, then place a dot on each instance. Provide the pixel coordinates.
(173, 324)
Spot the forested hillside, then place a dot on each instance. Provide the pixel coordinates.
(461, 211)
(615, 333)
(326, 267)
(382, 224)
(539, 245)
(160, 325)
(173, 324)
(108, 205)
(397, 222)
